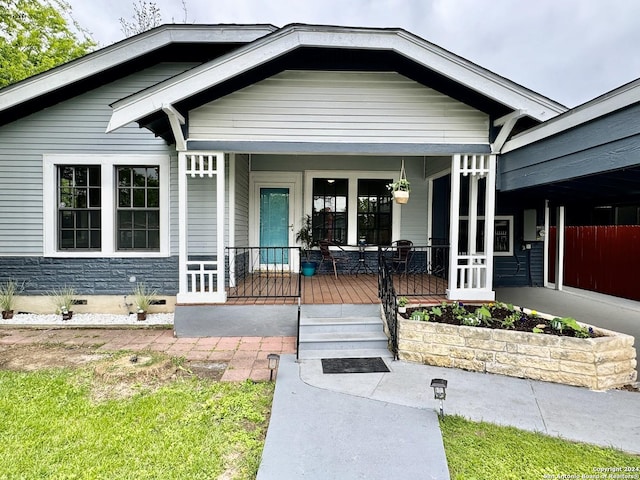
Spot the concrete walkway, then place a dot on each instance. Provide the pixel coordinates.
(320, 433)
(384, 425)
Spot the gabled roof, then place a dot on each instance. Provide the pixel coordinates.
(621, 97)
(172, 42)
(493, 91)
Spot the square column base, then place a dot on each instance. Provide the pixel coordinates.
(475, 294)
(201, 297)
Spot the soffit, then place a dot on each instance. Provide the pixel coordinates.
(312, 47)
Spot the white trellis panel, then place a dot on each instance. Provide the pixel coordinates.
(471, 273)
(201, 281)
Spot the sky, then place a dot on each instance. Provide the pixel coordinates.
(568, 50)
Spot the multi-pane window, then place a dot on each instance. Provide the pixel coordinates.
(138, 208)
(79, 209)
(329, 219)
(374, 211)
(106, 205)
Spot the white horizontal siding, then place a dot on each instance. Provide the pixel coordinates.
(354, 107)
(74, 126)
(201, 215)
(242, 201)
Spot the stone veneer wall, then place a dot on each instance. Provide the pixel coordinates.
(596, 363)
(91, 276)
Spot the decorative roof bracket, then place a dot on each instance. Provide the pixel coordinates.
(176, 120)
(507, 122)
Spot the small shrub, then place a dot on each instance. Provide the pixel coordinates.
(8, 291)
(143, 297)
(62, 299)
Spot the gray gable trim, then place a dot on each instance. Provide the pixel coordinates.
(150, 101)
(337, 148)
(606, 104)
(125, 51)
(597, 161)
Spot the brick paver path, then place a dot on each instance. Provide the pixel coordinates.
(246, 357)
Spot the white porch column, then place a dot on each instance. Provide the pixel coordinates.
(545, 257)
(202, 280)
(560, 248)
(471, 273)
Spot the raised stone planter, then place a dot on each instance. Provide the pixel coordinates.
(596, 363)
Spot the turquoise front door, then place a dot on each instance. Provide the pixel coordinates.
(274, 225)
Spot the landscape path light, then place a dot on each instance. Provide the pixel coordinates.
(439, 386)
(274, 360)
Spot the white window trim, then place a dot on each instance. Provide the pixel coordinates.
(108, 201)
(352, 198)
(511, 239)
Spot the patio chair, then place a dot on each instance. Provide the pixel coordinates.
(328, 255)
(402, 256)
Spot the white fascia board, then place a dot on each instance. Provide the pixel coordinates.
(278, 43)
(121, 52)
(615, 100)
(477, 78)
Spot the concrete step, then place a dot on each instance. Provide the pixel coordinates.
(343, 341)
(353, 353)
(338, 310)
(340, 324)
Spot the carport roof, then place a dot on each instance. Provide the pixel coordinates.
(587, 156)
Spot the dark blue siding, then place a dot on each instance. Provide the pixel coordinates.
(607, 143)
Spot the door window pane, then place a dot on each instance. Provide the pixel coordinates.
(274, 225)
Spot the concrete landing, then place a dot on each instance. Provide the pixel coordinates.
(236, 321)
(607, 419)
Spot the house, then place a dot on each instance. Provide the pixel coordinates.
(187, 157)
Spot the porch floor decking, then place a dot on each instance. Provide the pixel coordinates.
(325, 289)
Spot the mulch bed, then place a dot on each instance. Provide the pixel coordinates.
(499, 312)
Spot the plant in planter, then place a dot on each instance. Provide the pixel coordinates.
(143, 297)
(8, 292)
(62, 299)
(500, 316)
(402, 304)
(304, 237)
(400, 190)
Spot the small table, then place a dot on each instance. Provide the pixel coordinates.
(362, 262)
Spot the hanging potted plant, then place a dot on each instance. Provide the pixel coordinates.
(143, 298)
(304, 237)
(401, 188)
(8, 291)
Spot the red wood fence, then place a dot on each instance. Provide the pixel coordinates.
(603, 259)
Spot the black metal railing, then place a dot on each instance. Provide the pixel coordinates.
(418, 271)
(387, 294)
(262, 272)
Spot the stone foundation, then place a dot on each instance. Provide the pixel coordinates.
(597, 363)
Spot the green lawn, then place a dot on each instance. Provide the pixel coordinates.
(52, 426)
(480, 451)
(187, 429)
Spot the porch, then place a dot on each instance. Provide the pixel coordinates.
(346, 289)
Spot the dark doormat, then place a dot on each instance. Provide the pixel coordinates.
(353, 365)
